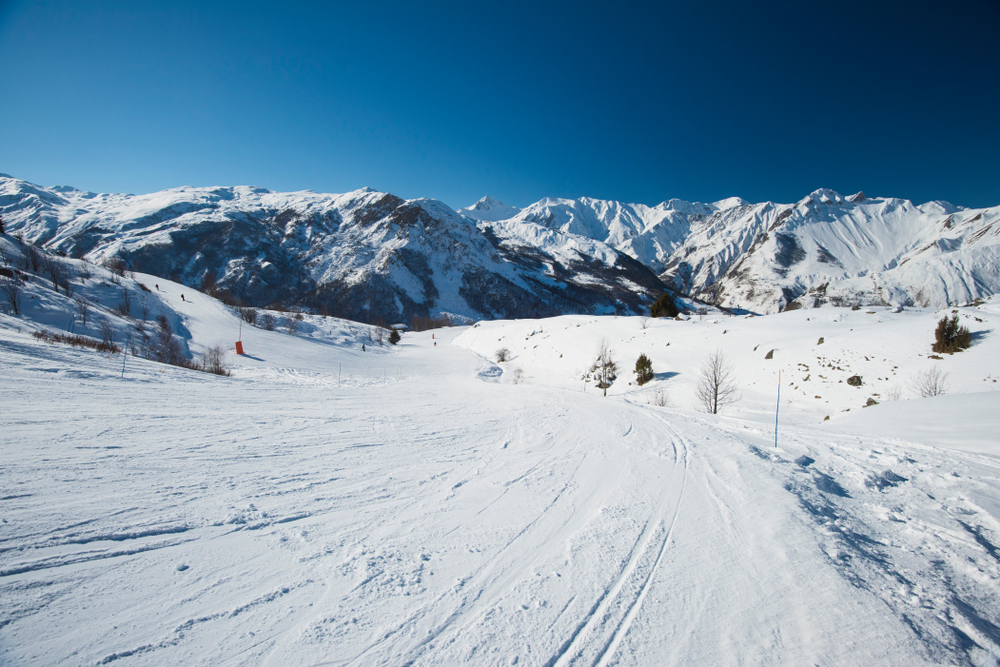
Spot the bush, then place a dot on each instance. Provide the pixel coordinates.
(929, 383)
(643, 370)
(950, 336)
(503, 354)
(664, 307)
(604, 368)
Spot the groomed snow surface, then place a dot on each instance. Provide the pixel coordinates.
(413, 505)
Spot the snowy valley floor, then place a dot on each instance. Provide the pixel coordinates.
(416, 511)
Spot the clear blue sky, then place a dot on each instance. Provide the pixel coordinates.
(638, 102)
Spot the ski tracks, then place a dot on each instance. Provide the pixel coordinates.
(602, 630)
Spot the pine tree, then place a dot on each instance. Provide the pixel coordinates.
(950, 336)
(394, 337)
(643, 370)
(664, 307)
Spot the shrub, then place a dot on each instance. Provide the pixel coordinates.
(604, 368)
(502, 355)
(75, 340)
(664, 307)
(930, 383)
(213, 361)
(950, 336)
(660, 399)
(643, 370)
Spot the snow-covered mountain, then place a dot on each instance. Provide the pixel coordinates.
(765, 257)
(370, 255)
(364, 255)
(489, 209)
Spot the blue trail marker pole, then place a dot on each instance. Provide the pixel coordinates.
(125, 354)
(776, 408)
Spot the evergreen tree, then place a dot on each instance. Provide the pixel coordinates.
(643, 370)
(394, 337)
(950, 336)
(664, 307)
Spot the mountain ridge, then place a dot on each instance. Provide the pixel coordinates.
(371, 255)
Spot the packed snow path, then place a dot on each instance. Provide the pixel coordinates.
(433, 517)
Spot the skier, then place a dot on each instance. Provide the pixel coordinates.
(363, 347)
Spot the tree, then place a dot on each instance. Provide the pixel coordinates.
(11, 288)
(268, 321)
(1, 225)
(394, 337)
(950, 336)
(664, 307)
(643, 370)
(717, 387)
(605, 368)
(502, 355)
(83, 306)
(931, 382)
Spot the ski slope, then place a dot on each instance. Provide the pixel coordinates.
(413, 505)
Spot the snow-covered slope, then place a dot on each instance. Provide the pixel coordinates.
(364, 254)
(413, 505)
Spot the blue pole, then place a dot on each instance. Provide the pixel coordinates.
(776, 408)
(125, 354)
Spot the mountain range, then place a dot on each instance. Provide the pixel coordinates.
(372, 256)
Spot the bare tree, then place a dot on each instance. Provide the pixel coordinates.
(291, 325)
(605, 368)
(56, 274)
(502, 355)
(125, 305)
(107, 332)
(85, 271)
(931, 382)
(33, 258)
(717, 387)
(68, 276)
(214, 360)
(11, 289)
(893, 393)
(660, 399)
(268, 321)
(83, 307)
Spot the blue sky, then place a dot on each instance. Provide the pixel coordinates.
(637, 102)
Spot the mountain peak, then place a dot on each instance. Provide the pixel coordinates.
(490, 209)
(487, 203)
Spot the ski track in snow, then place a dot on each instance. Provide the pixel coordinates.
(285, 516)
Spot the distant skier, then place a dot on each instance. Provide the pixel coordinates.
(157, 288)
(363, 347)
(182, 297)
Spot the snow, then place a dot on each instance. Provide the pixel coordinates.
(415, 505)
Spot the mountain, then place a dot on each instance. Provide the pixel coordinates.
(363, 255)
(369, 255)
(825, 248)
(489, 209)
